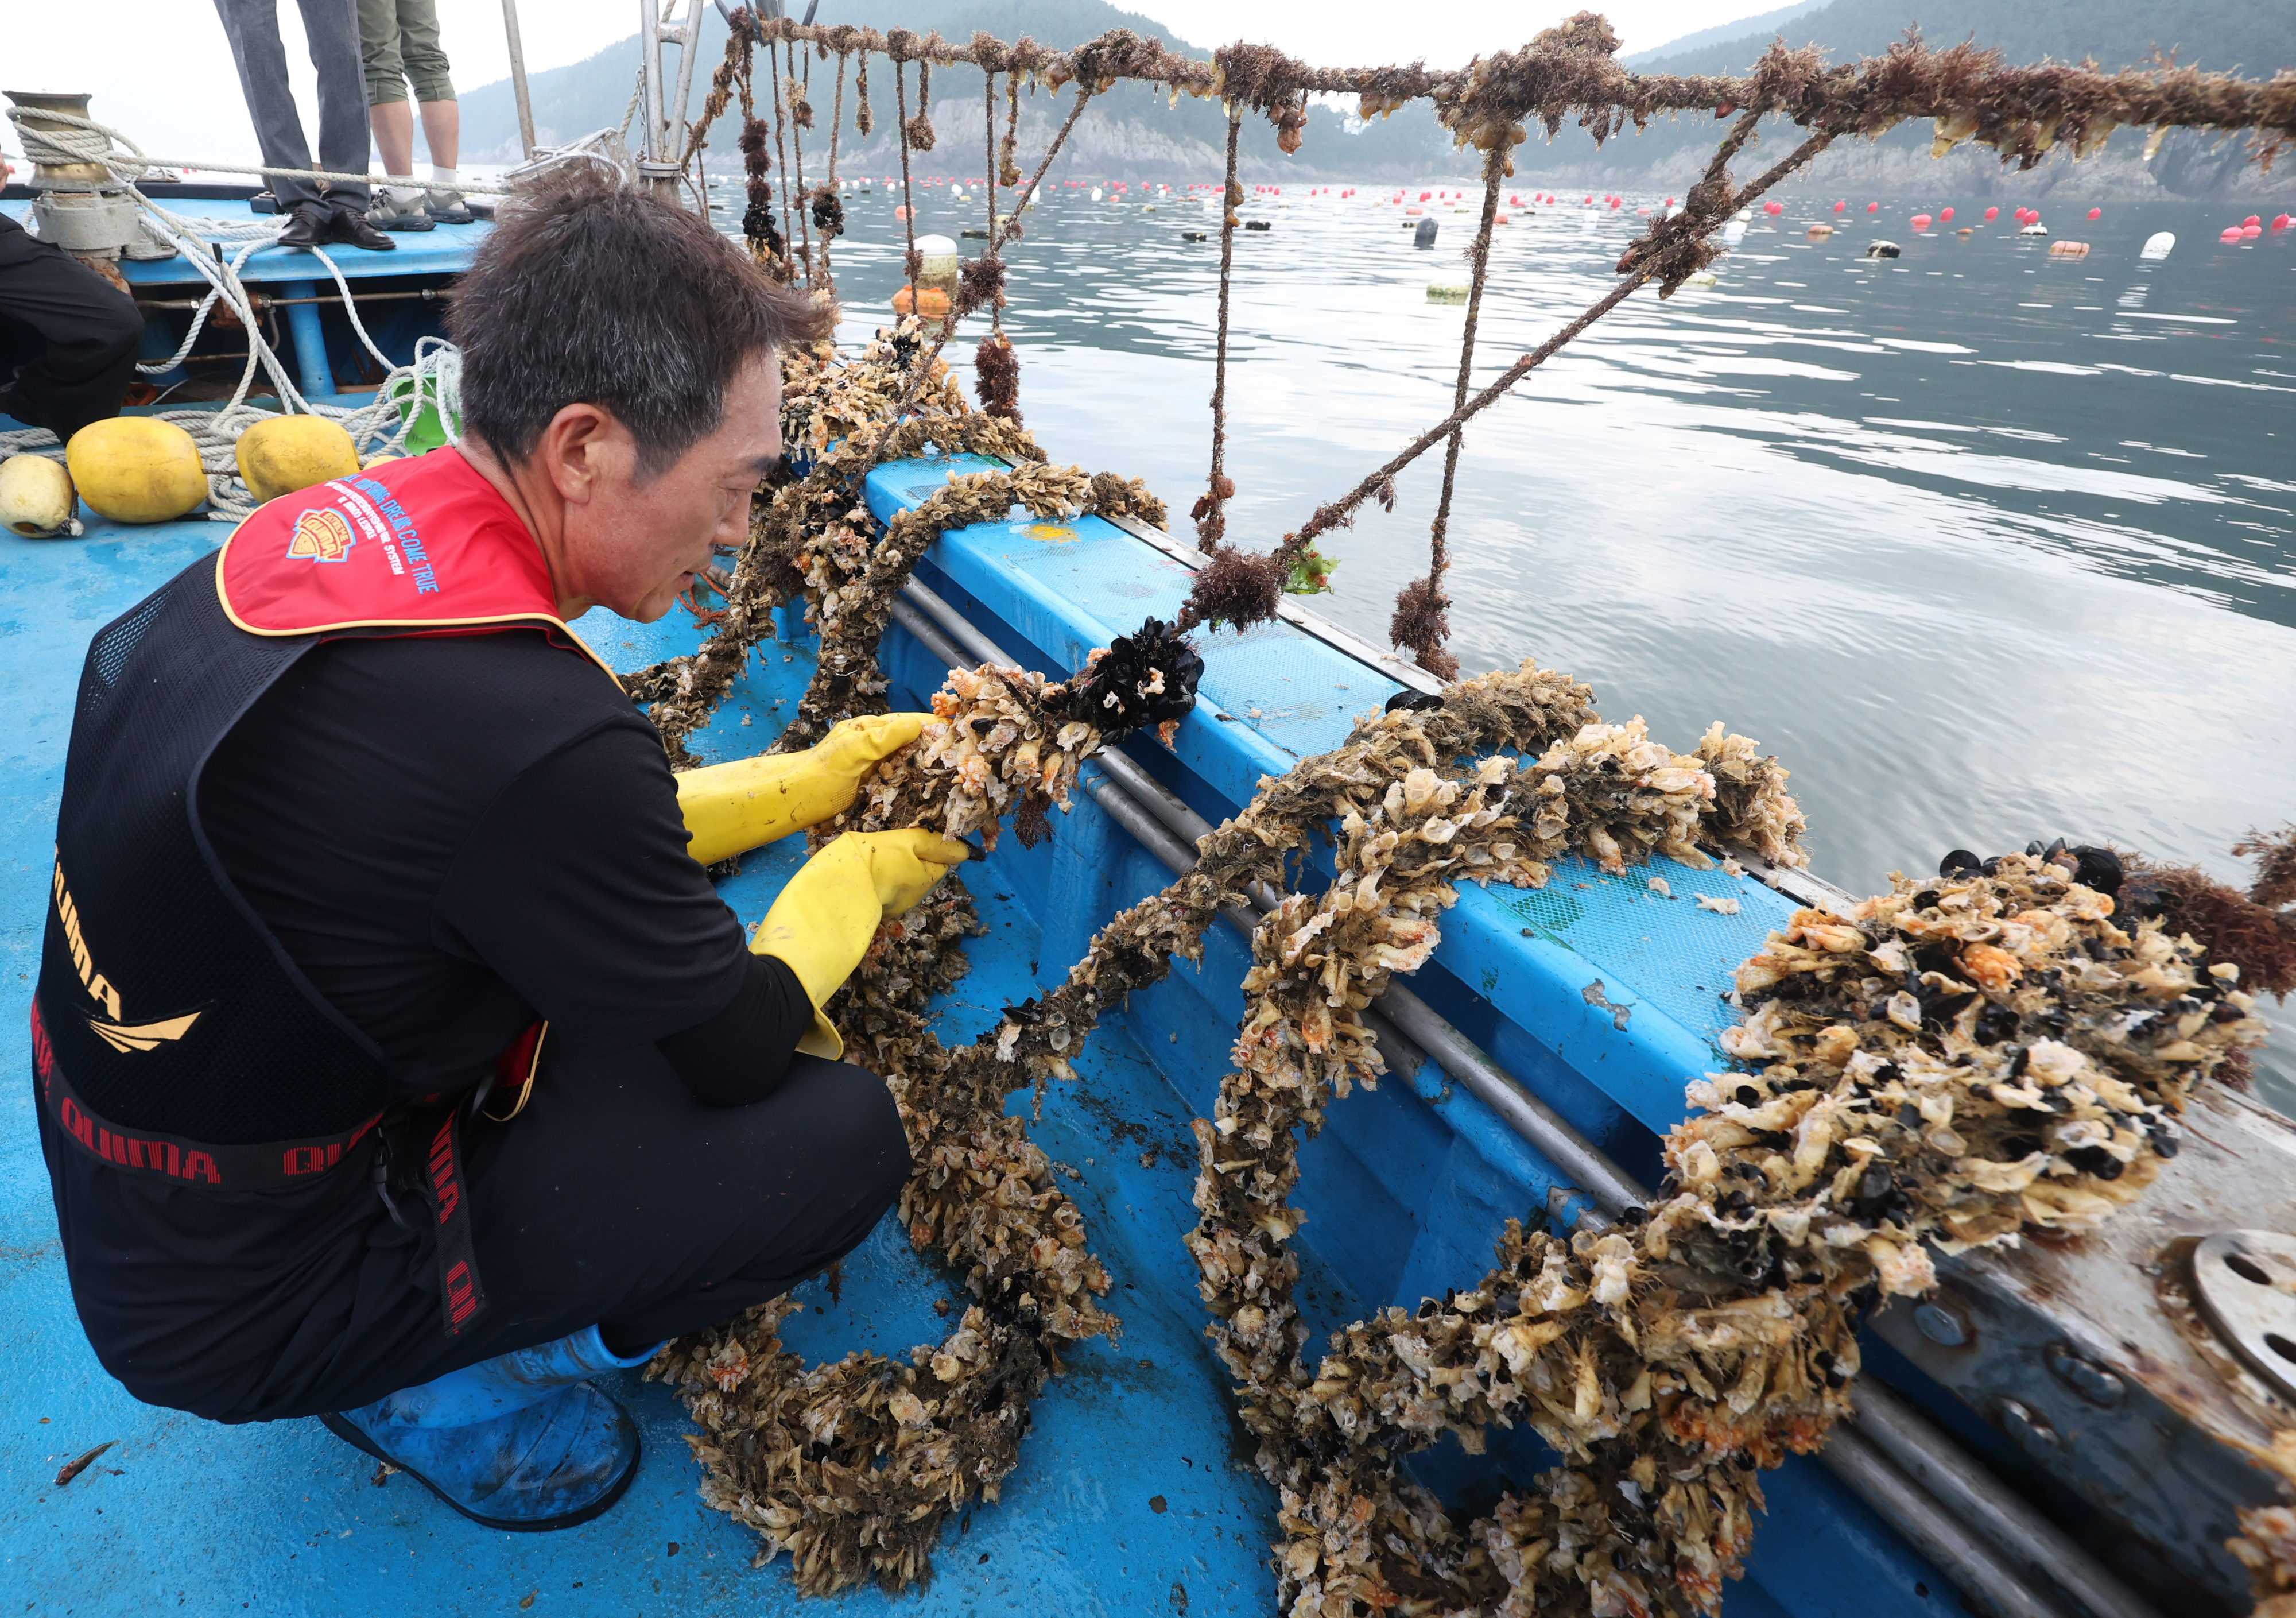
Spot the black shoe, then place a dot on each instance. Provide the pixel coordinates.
(308, 227)
(348, 226)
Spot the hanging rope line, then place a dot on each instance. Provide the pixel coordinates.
(1421, 622)
(1209, 512)
(912, 266)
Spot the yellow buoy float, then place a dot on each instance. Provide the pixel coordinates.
(284, 453)
(35, 497)
(136, 469)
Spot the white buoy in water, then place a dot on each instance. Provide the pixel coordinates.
(940, 258)
(2158, 245)
(1733, 231)
(1096, 193)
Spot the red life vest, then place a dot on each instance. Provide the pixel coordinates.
(419, 545)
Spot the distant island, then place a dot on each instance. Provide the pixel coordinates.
(1130, 133)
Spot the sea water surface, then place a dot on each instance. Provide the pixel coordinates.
(1986, 545)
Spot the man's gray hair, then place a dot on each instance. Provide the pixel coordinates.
(589, 292)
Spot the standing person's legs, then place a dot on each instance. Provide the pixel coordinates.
(432, 77)
(386, 87)
(252, 27)
(332, 27)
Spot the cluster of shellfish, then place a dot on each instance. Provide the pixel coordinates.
(1949, 1063)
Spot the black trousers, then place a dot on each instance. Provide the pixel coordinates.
(615, 1200)
(67, 333)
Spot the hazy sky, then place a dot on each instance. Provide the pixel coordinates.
(160, 68)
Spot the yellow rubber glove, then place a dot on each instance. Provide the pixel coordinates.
(821, 924)
(731, 809)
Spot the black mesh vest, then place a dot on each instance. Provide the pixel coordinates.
(164, 1001)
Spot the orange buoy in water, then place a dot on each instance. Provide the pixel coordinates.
(900, 212)
(933, 303)
(1413, 208)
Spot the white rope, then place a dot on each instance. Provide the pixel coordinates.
(434, 377)
(87, 141)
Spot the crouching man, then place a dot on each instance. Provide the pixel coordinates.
(397, 1062)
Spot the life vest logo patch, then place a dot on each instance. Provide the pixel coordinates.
(322, 535)
(118, 1034)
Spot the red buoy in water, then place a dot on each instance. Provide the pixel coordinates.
(2096, 213)
(2283, 221)
(1841, 207)
(1872, 208)
(1992, 214)
(1773, 209)
(1946, 214)
(1920, 221)
(2251, 219)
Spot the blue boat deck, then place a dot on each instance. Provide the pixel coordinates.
(1131, 1497)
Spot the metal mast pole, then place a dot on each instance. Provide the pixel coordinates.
(518, 77)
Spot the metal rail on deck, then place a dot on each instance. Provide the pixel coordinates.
(1941, 1498)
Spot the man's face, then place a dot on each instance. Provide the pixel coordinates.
(635, 545)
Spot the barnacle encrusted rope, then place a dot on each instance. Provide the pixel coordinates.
(1421, 608)
(1210, 508)
(1951, 1062)
(911, 266)
(1954, 1062)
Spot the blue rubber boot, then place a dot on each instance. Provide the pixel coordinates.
(521, 1441)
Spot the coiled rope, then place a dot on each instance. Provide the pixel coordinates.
(374, 428)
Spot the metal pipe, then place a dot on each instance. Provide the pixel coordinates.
(440, 295)
(518, 77)
(650, 74)
(1975, 1494)
(689, 45)
(1968, 1535)
(1581, 1161)
(1969, 1560)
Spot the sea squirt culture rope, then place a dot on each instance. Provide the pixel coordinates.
(1952, 1063)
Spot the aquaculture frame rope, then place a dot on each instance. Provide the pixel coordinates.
(1868, 1123)
(1211, 514)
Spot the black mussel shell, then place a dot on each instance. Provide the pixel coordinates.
(2141, 899)
(2098, 868)
(1129, 667)
(1961, 862)
(1408, 701)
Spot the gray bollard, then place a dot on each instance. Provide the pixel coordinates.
(1423, 233)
